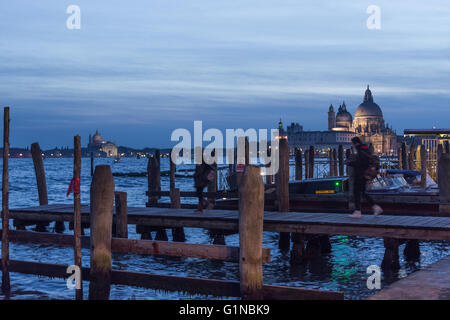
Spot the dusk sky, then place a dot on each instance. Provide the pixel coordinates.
(138, 69)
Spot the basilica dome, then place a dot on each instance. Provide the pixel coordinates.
(368, 108)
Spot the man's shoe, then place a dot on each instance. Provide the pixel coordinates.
(377, 209)
(356, 214)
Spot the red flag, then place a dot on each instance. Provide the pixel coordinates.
(74, 186)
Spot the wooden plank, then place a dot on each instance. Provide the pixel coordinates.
(176, 283)
(147, 247)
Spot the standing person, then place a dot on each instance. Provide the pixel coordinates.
(361, 163)
(203, 174)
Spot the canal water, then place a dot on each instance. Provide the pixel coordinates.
(344, 269)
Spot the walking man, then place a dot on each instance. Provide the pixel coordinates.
(360, 164)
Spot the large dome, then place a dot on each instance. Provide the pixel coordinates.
(368, 108)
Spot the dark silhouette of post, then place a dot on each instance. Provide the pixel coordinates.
(423, 166)
(77, 210)
(444, 183)
(41, 183)
(307, 164)
(399, 157)
(311, 162)
(335, 164)
(283, 189)
(412, 150)
(341, 160)
(173, 170)
(251, 215)
(175, 203)
(5, 205)
(120, 200)
(404, 157)
(330, 159)
(102, 201)
(298, 164)
(92, 164)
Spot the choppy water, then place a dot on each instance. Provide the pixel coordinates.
(344, 269)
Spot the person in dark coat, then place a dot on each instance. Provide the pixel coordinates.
(360, 163)
(202, 172)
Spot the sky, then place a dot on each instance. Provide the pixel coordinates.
(138, 69)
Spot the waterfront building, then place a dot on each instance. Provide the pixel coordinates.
(368, 124)
(100, 147)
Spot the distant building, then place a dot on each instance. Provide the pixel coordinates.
(368, 124)
(100, 147)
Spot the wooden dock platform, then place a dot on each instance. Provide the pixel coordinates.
(431, 283)
(397, 227)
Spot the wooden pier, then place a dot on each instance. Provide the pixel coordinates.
(398, 227)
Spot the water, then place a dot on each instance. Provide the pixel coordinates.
(344, 269)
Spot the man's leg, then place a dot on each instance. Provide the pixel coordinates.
(357, 195)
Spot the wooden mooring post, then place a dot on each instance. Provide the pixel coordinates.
(102, 199)
(444, 184)
(330, 160)
(335, 164)
(92, 164)
(251, 214)
(391, 258)
(178, 234)
(399, 157)
(283, 189)
(5, 205)
(41, 183)
(298, 164)
(310, 163)
(341, 160)
(77, 213)
(404, 157)
(307, 164)
(423, 166)
(121, 225)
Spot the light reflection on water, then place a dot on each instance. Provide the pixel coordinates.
(344, 269)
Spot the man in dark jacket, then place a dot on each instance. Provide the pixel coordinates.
(201, 180)
(360, 164)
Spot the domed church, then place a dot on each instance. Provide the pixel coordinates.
(368, 124)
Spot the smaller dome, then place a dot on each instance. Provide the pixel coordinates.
(97, 137)
(343, 115)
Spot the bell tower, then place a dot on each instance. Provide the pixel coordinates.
(331, 118)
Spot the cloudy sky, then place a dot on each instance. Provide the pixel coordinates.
(138, 69)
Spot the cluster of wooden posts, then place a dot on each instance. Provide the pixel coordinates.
(109, 232)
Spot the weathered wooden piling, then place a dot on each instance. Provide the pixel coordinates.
(178, 234)
(298, 248)
(92, 164)
(411, 153)
(391, 258)
(283, 189)
(173, 170)
(341, 160)
(102, 199)
(120, 201)
(251, 215)
(335, 164)
(399, 157)
(412, 250)
(423, 166)
(269, 177)
(311, 162)
(298, 164)
(330, 160)
(447, 147)
(444, 183)
(307, 164)
(404, 157)
(5, 205)
(39, 170)
(77, 210)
